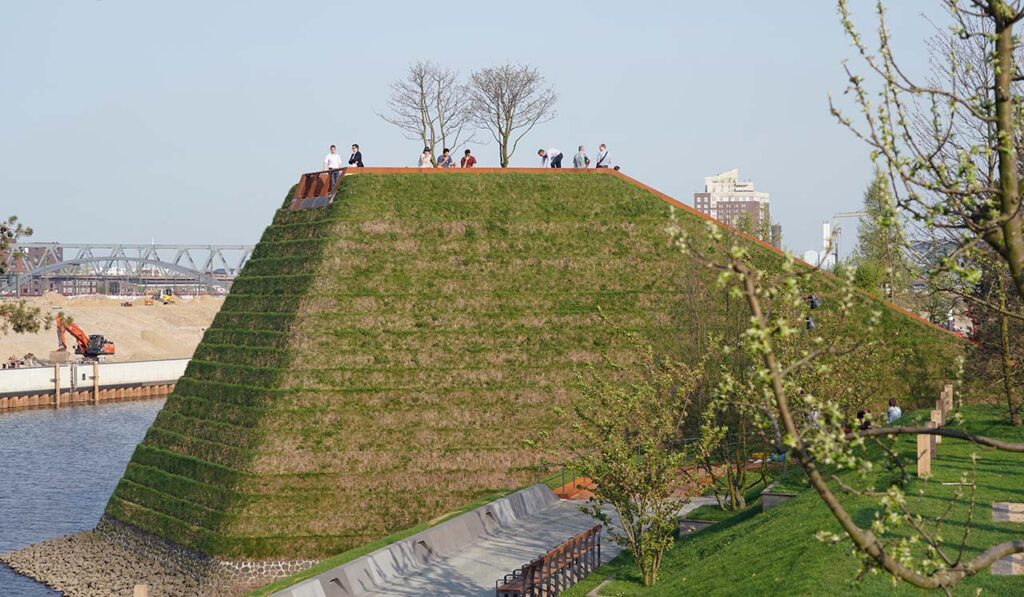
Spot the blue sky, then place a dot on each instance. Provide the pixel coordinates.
(187, 121)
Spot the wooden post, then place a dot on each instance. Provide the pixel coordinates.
(947, 397)
(924, 455)
(931, 438)
(95, 382)
(56, 386)
(937, 422)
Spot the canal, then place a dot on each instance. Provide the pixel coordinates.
(57, 469)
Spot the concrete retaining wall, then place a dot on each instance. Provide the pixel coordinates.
(82, 382)
(372, 571)
(771, 498)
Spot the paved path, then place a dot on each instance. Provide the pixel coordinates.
(473, 571)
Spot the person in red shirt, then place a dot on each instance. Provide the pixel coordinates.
(468, 161)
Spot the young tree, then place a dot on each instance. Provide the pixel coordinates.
(814, 429)
(1000, 354)
(430, 105)
(508, 101)
(881, 261)
(19, 317)
(630, 429)
(956, 167)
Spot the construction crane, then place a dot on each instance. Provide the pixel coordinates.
(92, 347)
(830, 232)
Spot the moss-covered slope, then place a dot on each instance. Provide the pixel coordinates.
(382, 360)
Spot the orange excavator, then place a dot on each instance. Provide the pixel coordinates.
(91, 347)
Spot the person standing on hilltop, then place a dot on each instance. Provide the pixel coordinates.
(468, 161)
(603, 161)
(581, 159)
(426, 159)
(332, 163)
(356, 159)
(552, 157)
(446, 161)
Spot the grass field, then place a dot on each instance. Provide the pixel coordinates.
(384, 360)
(775, 553)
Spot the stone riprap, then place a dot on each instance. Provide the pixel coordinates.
(115, 557)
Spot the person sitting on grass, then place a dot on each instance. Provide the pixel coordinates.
(893, 413)
(468, 160)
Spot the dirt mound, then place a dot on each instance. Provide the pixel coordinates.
(140, 332)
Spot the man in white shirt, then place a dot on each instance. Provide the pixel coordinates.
(332, 163)
(552, 157)
(603, 161)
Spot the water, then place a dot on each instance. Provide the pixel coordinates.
(57, 470)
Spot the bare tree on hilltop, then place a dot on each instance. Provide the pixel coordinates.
(508, 101)
(431, 105)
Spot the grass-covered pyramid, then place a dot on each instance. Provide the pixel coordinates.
(381, 361)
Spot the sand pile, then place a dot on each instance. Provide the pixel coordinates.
(140, 332)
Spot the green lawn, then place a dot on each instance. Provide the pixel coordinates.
(776, 553)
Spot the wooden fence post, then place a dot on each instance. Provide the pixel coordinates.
(937, 422)
(56, 386)
(924, 455)
(95, 382)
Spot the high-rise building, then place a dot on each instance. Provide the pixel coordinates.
(727, 198)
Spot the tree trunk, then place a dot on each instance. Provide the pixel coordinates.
(1010, 237)
(1004, 335)
(503, 149)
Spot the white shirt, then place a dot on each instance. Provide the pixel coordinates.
(332, 161)
(893, 413)
(602, 159)
(547, 157)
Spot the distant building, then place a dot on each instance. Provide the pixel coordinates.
(727, 198)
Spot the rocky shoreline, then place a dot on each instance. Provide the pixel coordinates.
(114, 557)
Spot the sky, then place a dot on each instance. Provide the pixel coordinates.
(187, 122)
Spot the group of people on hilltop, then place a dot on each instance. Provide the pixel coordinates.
(549, 158)
(552, 158)
(446, 159)
(332, 163)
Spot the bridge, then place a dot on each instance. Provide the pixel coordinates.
(38, 267)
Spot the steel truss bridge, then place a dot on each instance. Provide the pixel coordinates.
(207, 266)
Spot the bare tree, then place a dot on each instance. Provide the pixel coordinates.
(431, 105)
(508, 101)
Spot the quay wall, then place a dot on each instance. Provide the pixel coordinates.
(87, 383)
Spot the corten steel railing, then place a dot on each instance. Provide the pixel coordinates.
(316, 189)
(556, 570)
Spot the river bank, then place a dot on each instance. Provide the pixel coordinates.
(59, 469)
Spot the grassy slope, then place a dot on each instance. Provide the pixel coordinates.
(776, 552)
(380, 362)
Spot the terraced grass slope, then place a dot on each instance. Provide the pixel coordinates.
(382, 360)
